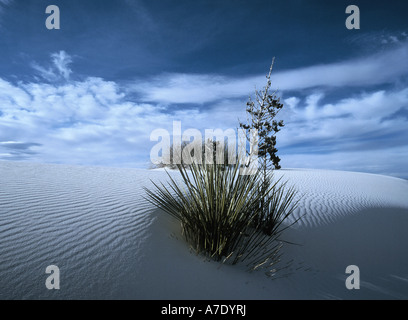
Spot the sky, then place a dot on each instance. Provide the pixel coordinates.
(93, 91)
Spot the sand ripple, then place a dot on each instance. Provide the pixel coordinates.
(94, 224)
(326, 195)
(87, 221)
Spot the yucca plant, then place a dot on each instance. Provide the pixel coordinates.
(278, 206)
(219, 212)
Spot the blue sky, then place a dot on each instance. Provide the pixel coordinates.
(92, 92)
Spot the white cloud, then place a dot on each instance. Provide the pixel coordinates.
(90, 115)
(95, 121)
(375, 38)
(187, 88)
(59, 70)
(377, 104)
(364, 121)
(382, 68)
(87, 122)
(377, 69)
(392, 162)
(61, 61)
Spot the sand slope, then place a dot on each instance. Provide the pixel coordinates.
(109, 243)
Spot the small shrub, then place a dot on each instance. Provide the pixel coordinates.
(212, 146)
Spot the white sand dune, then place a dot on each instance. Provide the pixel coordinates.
(110, 243)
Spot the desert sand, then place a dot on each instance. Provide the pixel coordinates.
(110, 243)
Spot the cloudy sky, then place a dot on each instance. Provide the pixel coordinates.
(92, 92)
